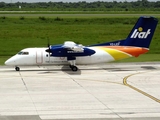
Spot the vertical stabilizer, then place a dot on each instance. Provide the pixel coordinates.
(142, 33)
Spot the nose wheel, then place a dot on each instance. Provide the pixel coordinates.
(17, 68)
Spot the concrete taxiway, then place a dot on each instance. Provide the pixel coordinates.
(128, 91)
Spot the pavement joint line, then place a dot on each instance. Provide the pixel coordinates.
(138, 90)
(96, 98)
(23, 81)
(28, 92)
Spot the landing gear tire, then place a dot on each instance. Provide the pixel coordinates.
(17, 68)
(74, 68)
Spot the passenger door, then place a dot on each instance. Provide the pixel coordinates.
(39, 57)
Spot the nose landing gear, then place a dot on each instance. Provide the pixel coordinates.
(17, 68)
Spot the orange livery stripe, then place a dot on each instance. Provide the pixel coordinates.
(121, 52)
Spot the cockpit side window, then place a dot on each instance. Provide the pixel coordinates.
(23, 53)
(20, 53)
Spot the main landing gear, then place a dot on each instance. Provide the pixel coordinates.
(73, 65)
(17, 68)
(74, 68)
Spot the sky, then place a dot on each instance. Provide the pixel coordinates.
(29, 1)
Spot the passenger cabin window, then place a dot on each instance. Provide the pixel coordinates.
(23, 53)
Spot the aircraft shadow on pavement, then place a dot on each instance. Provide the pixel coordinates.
(117, 69)
(68, 70)
(148, 67)
(65, 69)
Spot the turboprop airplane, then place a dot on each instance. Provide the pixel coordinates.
(137, 43)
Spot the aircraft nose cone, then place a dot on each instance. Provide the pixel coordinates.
(9, 62)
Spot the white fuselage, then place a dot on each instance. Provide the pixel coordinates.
(38, 56)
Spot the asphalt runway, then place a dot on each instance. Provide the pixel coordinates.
(114, 91)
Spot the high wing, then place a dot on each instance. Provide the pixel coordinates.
(70, 50)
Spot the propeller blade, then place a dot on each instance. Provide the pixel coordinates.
(48, 45)
(49, 49)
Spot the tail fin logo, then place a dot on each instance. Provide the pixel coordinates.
(139, 34)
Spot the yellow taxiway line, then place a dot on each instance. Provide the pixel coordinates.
(138, 90)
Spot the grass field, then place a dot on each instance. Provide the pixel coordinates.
(22, 32)
(79, 12)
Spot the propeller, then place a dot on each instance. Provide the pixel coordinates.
(49, 50)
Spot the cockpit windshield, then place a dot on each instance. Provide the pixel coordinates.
(23, 53)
